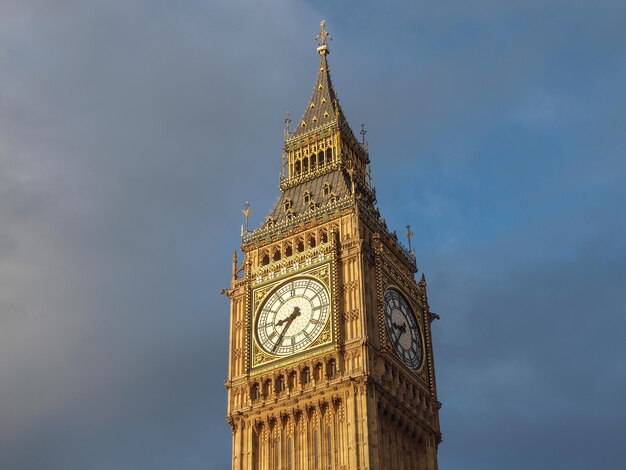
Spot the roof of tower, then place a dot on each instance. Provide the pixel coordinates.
(323, 108)
(321, 192)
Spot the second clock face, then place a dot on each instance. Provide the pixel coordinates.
(402, 328)
(293, 316)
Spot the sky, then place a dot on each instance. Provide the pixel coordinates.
(133, 131)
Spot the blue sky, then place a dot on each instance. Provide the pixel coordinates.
(132, 133)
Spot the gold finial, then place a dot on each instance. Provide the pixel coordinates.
(322, 37)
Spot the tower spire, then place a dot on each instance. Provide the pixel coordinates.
(323, 108)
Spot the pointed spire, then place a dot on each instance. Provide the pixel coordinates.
(323, 108)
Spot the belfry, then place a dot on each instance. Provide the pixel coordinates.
(330, 354)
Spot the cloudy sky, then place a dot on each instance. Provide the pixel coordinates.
(132, 132)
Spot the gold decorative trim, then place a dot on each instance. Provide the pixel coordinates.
(322, 271)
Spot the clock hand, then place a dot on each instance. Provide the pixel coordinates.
(401, 328)
(397, 340)
(282, 334)
(296, 313)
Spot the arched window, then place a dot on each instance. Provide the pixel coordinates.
(267, 387)
(311, 241)
(305, 376)
(320, 159)
(265, 259)
(313, 159)
(324, 236)
(254, 392)
(279, 384)
(329, 154)
(298, 167)
(305, 165)
(300, 245)
(288, 250)
(292, 380)
(306, 197)
(317, 372)
(276, 256)
(331, 368)
(287, 204)
(326, 189)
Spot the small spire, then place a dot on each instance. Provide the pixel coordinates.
(363, 141)
(246, 213)
(321, 39)
(287, 125)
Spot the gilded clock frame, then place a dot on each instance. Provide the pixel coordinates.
(323, 270)
(418, 320)
(418, 313)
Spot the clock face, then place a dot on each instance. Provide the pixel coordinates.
(402, 328)
(293, 316)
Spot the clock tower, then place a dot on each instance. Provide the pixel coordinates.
(330, 355)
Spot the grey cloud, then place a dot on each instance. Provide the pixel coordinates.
(132, 132)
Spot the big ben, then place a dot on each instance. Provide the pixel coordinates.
(330, 354)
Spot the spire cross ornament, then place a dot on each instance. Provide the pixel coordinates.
(409, 234)
(363, 132)
(322, 37)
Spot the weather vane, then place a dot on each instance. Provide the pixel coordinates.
(409, 234)
(323, 36)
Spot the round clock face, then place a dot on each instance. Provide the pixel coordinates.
(402, 328)
(293, 316)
